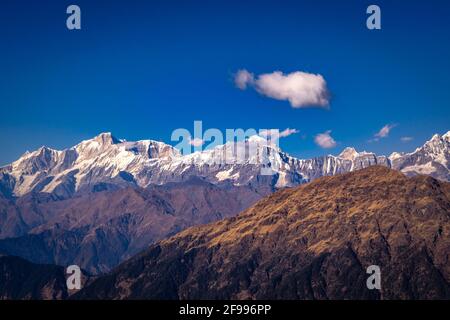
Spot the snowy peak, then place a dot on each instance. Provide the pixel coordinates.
(98, 143)
(396, 155)
(438, 145)
(106, 138)
(107, 144)
(32, 162)
(432, 158)
(103, 159)
(151, 149)
(348, 153)
(446, 136)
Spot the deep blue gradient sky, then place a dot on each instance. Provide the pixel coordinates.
(141, 69)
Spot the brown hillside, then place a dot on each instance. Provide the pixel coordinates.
(310, 242)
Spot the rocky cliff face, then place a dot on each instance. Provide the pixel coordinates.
(314, 241)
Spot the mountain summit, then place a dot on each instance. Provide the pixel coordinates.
(349, 153)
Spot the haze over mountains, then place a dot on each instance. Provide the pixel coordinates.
(103, 200)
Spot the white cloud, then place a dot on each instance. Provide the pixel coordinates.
(276, 134)
(243, 78)
(196, 142)
(301, 89)
(406, 139)
(287, 132)
(384, 132)
(325, 140)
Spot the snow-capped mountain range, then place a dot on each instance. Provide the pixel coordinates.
(106, 162)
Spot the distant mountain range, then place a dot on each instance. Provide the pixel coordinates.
(309, 242)
(104, 200)
(105, 163)
(99, 230)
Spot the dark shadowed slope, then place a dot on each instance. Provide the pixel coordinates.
(20, 279)
(310, 242)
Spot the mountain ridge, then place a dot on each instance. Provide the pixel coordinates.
(108, 162)
(99, 230)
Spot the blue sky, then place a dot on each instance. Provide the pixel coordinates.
(141, 69)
